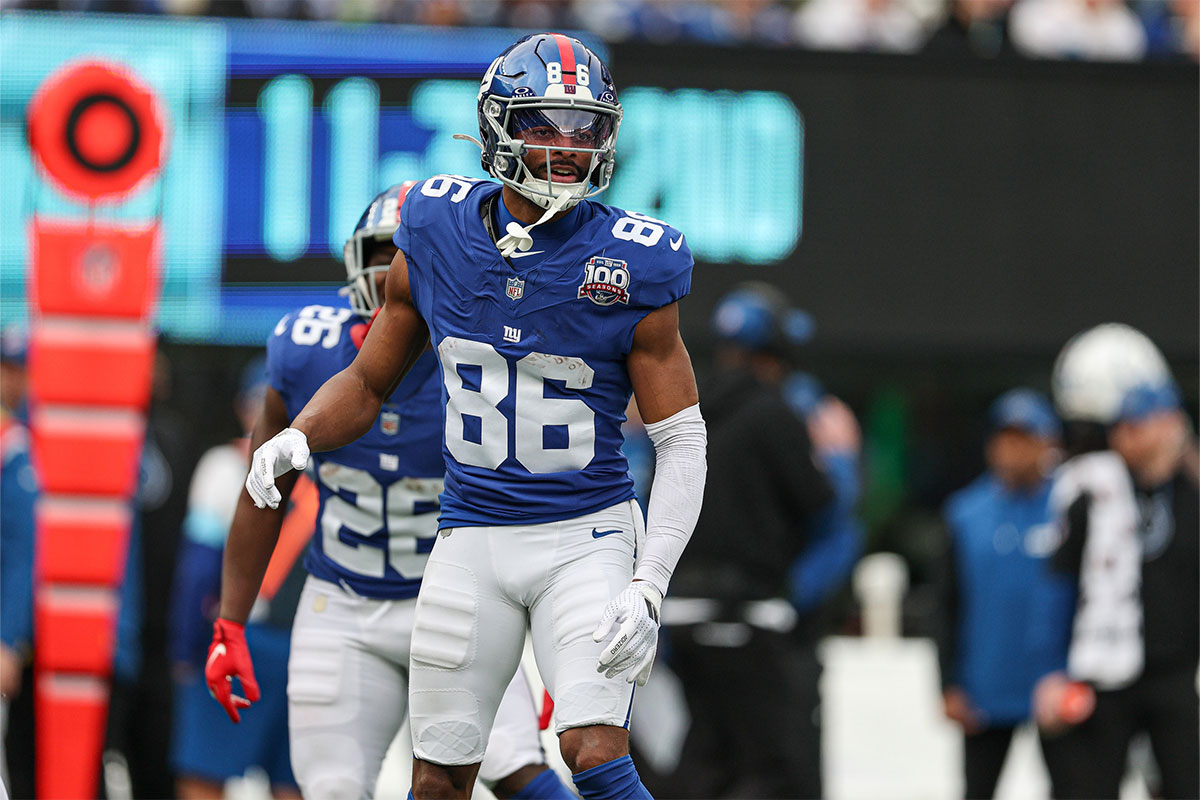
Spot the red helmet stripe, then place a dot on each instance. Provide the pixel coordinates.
(566, 54)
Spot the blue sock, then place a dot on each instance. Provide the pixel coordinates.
(545, 786)
(613, 780)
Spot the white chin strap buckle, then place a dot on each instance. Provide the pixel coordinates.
(518, 236)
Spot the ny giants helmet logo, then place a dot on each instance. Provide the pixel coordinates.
(605, 281)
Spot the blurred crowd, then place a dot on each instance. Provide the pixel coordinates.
(1096, 30)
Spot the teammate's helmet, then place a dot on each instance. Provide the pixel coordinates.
(757, 316)
(548, 80)
(377, 224)
(1098, 367)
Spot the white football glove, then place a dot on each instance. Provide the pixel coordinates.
(635, 612)
(286, 450)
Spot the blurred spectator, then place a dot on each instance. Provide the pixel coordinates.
(759, 21)
(207, 748)
(1124, 633)
(884, 25)
(999, 534)
(732, 629)
(836, 541)
(18, 492)
(536, 14)
(973, 28)
(1170, 28)
(1100, 30)
(1186, 25)
(13, 347)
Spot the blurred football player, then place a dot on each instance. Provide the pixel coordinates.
(376, 523)
(546, 310)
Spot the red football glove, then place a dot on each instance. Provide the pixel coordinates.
(229, 658)
(547, 710)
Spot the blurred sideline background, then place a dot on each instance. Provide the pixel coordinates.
(949, 209)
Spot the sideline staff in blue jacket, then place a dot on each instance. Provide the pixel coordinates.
(999, 534)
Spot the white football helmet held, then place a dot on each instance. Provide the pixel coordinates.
(1097, 367)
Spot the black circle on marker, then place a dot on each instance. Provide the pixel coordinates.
(135, 132)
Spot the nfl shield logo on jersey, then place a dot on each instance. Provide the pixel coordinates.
(605, 281)
(389, 423)
(516, 288)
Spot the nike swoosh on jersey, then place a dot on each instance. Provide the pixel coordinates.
(597, 534)
(532, 253)
(219, 650)
(675, 243)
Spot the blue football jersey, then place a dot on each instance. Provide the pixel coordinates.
(534, 380)
(377, 517)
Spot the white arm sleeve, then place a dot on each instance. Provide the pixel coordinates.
(680, 442)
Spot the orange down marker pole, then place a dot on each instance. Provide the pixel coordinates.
(97, 134)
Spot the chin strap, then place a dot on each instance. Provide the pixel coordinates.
(464, 137)
(518, 237)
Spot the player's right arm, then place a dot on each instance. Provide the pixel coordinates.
(252, 537)
(346, 406)
(254, 531)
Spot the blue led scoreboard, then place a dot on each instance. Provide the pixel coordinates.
(282, 131)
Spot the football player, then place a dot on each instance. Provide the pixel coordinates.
(546, 310)
(376, 523)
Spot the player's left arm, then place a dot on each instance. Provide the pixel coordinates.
(660, 370)
(665, 388)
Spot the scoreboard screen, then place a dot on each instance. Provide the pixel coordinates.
(281, 132)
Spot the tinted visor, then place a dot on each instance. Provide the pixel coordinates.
(546, 125)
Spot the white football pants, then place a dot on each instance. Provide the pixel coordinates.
(348, 692)
(482, 587)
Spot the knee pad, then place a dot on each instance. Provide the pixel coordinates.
(446, 728)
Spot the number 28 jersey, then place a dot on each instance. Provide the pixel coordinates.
(534, 379)
(377, 515)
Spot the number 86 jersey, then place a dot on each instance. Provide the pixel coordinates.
(534, 380)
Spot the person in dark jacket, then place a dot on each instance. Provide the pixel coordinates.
(742, 650)
(1127, 628)
(999, 534)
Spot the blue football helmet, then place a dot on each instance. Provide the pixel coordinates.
(546, 88)
(377, 224)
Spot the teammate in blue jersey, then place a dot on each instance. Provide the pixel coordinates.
(546, 310)
(376, 522)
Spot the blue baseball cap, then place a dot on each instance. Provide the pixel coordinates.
(14, 345)
(1147, 399)
(757, 316)
(1025, 410)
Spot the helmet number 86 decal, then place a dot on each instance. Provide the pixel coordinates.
(554, 73)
